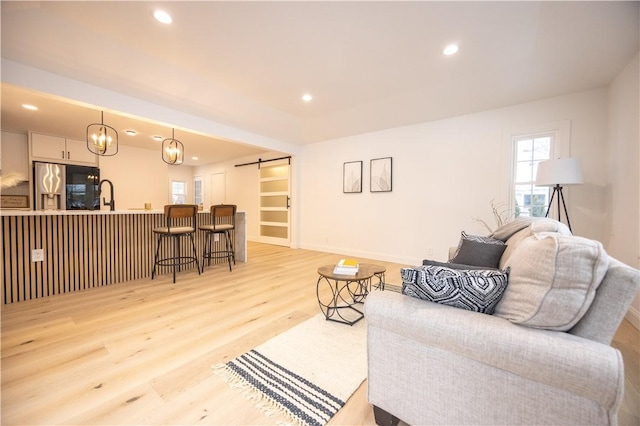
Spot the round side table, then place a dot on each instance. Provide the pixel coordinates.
(378, 272)
(345, 292)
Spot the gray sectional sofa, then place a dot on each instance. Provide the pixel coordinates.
(542, 356)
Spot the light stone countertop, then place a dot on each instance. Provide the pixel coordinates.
(17, 212)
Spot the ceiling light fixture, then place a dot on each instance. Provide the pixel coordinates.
(102, 139)
(172, 150)
(157, 138)
(30, 107)
(162, 16)
(130, 132)
(450, 49)
(307, 97)
(194, 158)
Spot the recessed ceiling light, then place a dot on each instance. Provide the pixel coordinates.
(194, 158)
(162, 16)
(307, 97)
(130, 132)
(157, 138)
(450, 49)
(30, 107)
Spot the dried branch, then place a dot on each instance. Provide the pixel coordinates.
(501, 215)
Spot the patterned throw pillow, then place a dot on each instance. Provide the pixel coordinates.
(474, 290)
(476, 250)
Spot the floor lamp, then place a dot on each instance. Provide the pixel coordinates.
(558, 173)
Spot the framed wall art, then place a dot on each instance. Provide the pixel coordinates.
(381, 176)
(352, 177)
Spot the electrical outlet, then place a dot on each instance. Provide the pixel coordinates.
(37, 255)
(429, 251)
(216, 237)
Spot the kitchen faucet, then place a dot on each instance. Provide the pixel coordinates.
(111, 203)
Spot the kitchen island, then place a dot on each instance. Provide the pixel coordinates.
(84, 249)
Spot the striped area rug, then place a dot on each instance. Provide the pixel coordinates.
(304, 375)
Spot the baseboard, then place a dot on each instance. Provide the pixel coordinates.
(633, 316)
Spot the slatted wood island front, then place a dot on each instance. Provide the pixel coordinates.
(86, 249)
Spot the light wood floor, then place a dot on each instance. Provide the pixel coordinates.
(140, 352)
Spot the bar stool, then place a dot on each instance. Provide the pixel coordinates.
(173, 213)
(223, 221)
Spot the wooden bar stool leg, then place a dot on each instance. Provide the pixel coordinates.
(226, 246)
(155, 260)
(176, 251)
(233, 251)
(180, 258)
(209, 252)
(195, 252)
(204, 248)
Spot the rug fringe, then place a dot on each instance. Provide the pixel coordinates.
(268, 406)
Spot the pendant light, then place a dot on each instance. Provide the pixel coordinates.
(172, 150)
(102, 139)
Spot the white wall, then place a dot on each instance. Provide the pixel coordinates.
(445, 173)
(623, 189)
(14, 151)
(242, 188)
(139, 176)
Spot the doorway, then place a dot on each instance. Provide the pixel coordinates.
(275, 203)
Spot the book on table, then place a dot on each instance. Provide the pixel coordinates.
(346, 267)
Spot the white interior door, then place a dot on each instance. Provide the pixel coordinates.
(275, 203)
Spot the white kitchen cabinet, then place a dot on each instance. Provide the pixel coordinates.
(48, 147)
(60, 150)
(78, 151)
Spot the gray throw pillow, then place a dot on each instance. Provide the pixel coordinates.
(476, 250)
(474, 290)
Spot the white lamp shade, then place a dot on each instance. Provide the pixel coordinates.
(562, 171)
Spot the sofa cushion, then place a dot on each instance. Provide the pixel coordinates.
(476, 250)
(505, 231)
(512, 244)
(426, 262)
(474, 290)
(550, 225)
(539, 224)
(553, 280)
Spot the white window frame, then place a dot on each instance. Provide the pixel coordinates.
(530, 183)
(561, 148)
(171, 193)
(198, 179)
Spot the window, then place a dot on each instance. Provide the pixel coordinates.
(197, 192)
(178, 191)
(530, 200)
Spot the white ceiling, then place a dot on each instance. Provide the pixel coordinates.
(369, 65)
(63, 117)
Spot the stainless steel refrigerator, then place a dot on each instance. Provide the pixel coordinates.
(65, 187)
